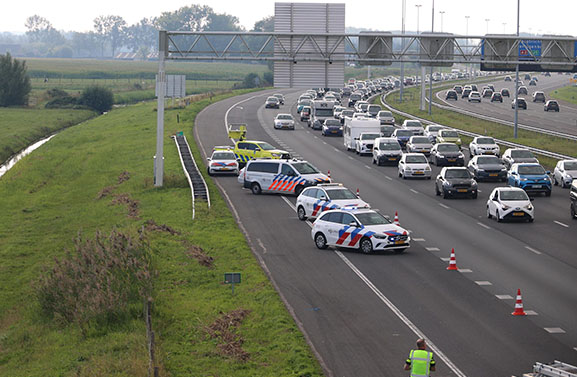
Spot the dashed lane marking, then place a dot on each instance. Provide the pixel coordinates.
(504, 297)
(483, 282)
(419, 239)
(324, 142)
(434, 249)
(389, 178)
(445, 259)
(465, 270)
(337, 150)
(554, 330)
(531, 312)
(368, 167)
(350, 157)
(533, 250)
(444, 206)
(414, 191)
(560, 223)
(484, 226)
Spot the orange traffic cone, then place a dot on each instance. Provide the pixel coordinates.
(453, 261)
(358, 195)
(396, 219)
(519, 305)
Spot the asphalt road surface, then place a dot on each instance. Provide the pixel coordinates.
(363, 313)
(564, 121)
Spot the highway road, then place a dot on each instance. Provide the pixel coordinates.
(363, 313)
(565, 121)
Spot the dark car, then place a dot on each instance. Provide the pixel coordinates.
(447, 154)
(523, 90)
(456, 181)
(387, 130)
(474, 88)
(573, 197)
(332, 127)
(527, 76)
(496, 97)
(505, 92)
(507, 78)
(466, 93)
(491, 86)
(532, 83)
(487, 93)
(451, 94)
(488, 168)
(402, 136)
(521, 104)
(458, 89)
(280, 98)
(551, 105)
(272, 103)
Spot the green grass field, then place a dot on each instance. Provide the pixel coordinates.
(566, 93)
(51, 195)
(483, 127)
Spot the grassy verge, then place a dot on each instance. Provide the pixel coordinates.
(468, 123)
(21, 127)
(566, 93)
(53, 194)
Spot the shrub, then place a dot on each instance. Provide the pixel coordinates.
(251, 81)
(98, 280)
(98, 98)
(55, 92)
(66, 102)
(14, 82)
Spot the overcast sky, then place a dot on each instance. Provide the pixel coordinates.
(537, 16)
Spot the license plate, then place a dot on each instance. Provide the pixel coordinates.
(451, 159)
(518, 213)
(392, 159)
(334, 132)
(424, 151)
(493, 174)
(487, 152)
(399, 242)
(536, 186)
(419, 172)
(462, 190)
(224, 169)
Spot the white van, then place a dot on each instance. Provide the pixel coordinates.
(280, 176)
(355, 126)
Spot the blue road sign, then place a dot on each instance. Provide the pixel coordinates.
(529, 49)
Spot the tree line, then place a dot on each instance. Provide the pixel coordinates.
(111, 33)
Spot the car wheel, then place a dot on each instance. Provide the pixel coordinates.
(531, 219)
(437, 192)
(555, 182)
(400, 175)
(298, 190)
(320, 241)
(489, 216)
(573, 213)
(366, 246)
(445, 194)
(208, 171)
(255, 188)
(499, 219)
(548, 193)
(474, 196)
(301, 213)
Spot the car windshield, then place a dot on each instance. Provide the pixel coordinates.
(385, 114)
(485, 140)
(416, 159)
(369, 136)
(413, 123)
(449, 134)
(404, 133)
(272, 99)
(347, 113)
(389, 146)
(372, 218)
(531, 170)
(457, 173)
(488, 160)
(513, 195)
(420, 140)
(332, 122)
(571, 165)
(448, 148)
(223, 156)
(305, 102)
(324, 112)
(521, 154)
(305, 168)
(434, 128)
(284, 117)
(266, 146)
(340, 194)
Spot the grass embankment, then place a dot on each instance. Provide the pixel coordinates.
(20, 127)
(52, 194)
(566, 93)
(468, 123)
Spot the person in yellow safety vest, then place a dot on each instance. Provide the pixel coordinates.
(420, 361)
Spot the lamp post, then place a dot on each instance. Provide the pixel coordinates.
(517, 79)
(467, 34)
(504, 24)
(442, 12)
(418, 8)
(422, 99)
(402, 88)
(431, 72)
(487, 21)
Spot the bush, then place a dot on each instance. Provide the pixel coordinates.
(55, 92)
(98, 98)
(98, 280)
(14, 82)
(66, 102)
(251, 81)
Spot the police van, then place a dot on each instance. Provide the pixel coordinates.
(280, 176)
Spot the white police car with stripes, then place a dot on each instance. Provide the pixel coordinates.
(280, 176)
(362, 229)
(313, 201)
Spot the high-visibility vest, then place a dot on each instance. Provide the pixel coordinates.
(420, 363)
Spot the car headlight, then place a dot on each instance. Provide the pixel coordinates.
(447, 184)
(529, 207)
(340, 128)
(427, 168)
(458, 141)
(276, 154)
(380, 236)
(440, 156)
(505, 207)
(522, 179)
(474, 184)
(503, 169)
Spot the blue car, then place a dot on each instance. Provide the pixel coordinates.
(531, 177)
(402, 136)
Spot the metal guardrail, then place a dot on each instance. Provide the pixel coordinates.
(555, 369)
(504, 122)
(195, 179)
(472, 134)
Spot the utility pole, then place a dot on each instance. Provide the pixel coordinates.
(431, 72)
(487, 21)
(402, 47)
(442, 12)
(517, 78)
(467, 34)
(423, 91)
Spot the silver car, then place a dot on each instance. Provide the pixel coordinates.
(565, 172)
(419, 144)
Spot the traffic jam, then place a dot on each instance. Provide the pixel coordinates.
(339, 216)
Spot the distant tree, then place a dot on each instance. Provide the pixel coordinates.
(14, 82)
(62, 51)
(143, 34)
(189, 18)
(40, 30)
(110, 29)
(266, 24)
(222, 22)
(85, 44)
(251, 81)
(98, 98)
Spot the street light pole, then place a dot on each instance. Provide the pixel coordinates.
(442, 13)
(402, 47)
(431, 72)
(504, 24)
(467, 34)
(487, 21)
(517, 78)
(418, 9)
(423, 88)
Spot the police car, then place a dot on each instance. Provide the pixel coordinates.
(362, 229)
(280, 176)
(222, 160)
(313, 201)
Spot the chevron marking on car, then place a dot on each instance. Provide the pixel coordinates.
(343, 235)
(322, 206)
(357, 234)
(285, 183)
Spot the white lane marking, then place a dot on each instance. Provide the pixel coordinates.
(230, 108)
(392, 307)
(324, 142)
(560, 223)
(315, 136)
(533, 250)
(554, 330)
(368, 167)
(445, 259)
(337, 150)
(350, 157)
(433, 249)
(419, 239)
(444, 206)
(465, 270)
(401, 316)
(504, 297)
(531, 312)
(483, 282)
(575, 348)
(484, 226)
(289, 203)
(414, 191)
(389, 178)
(264, 251)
